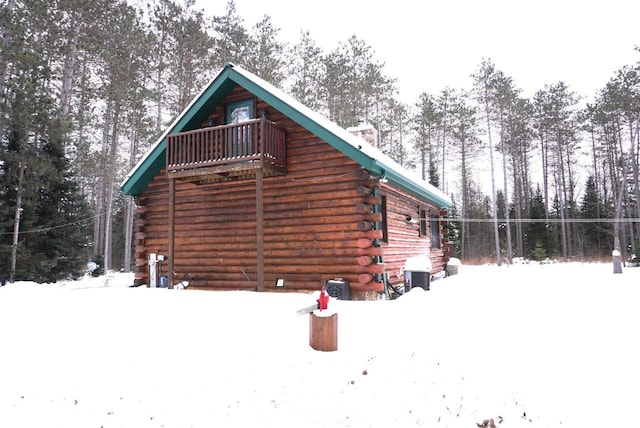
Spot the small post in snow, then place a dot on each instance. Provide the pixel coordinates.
(323, 324)
(617, 261)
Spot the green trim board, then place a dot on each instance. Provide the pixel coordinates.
(350, 145)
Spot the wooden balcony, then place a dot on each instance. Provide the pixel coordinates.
(227, 152)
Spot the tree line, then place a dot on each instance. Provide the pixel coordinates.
(86, 86)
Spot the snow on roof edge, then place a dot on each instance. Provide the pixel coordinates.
(353, 140)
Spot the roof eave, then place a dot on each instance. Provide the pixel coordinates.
(137, 179)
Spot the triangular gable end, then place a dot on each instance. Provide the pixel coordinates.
(193, 115)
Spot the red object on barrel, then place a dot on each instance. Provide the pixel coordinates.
(323, 300)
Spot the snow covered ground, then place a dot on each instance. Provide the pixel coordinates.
(526, 345)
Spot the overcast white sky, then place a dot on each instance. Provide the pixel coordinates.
(427, 45)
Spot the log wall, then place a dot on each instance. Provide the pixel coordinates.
(404, 237)
(321, 221)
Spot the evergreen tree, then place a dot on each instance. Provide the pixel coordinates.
(306, 72)
(49, 225)
(265, 53)
(557, 126)
(189, 56)
(355, 88)
(484, 86)
(57, 248)
(539, 234)
(394, 133)
(594, 233)
(425, 125)
(231, 38)
(466, 146)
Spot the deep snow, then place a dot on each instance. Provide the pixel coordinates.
(525, 345)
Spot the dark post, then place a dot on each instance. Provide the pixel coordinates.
(172, 209)
(259, 210)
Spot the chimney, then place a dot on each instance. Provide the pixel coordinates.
(366, 131)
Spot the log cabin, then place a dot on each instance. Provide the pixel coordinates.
(250, 189)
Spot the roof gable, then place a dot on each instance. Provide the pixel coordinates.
(350, 145)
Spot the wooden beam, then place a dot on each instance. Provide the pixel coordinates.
(172, 211)
(259, 229)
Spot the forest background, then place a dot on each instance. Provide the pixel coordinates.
(86, 86)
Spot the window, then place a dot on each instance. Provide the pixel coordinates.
(383, 222)
(424, 221)
(239, 111)
(435, 231)
(239, 139)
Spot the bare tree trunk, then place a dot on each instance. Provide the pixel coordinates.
(567, 190)
(98, 219)
(494, 203)
(506, 203)
(6, 41)
(69, 68)
(545, 173)
(636, 180)
(559, 176)
(517, 201)
(16, 223)
(617, 262)
(80, 143)
(131, 206)
(443, 182)
(110, 187)
(595, 169)
(128, 221)
(465, 204)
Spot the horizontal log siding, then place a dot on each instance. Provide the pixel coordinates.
(310, 221)
(404, 238)
(315, 223)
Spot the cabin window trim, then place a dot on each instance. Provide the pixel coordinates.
(423, 216)
(246, 106)
(434, 226)
(384, 223)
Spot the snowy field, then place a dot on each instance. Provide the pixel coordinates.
(526, 345)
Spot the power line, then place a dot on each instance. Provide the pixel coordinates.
(451, 219)
(46, 229)
(543, 220)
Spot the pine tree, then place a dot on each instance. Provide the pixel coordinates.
(595, 233)
(57, 248)
(189, 56)
(355, 88)
(48, 238)
(306, 71)
(557, 127)
(265, 54)
(539, 234)
(231, 38)
(484, 85)
(425, 124)
(466, 146)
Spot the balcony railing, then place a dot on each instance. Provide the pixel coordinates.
(227, 152)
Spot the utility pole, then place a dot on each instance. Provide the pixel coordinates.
(16, 223)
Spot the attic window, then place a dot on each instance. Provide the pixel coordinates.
(239, 111)
(239, 139)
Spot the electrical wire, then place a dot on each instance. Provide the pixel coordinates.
(46, 229)
(542, 220)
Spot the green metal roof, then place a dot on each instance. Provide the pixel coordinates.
(352, 146)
